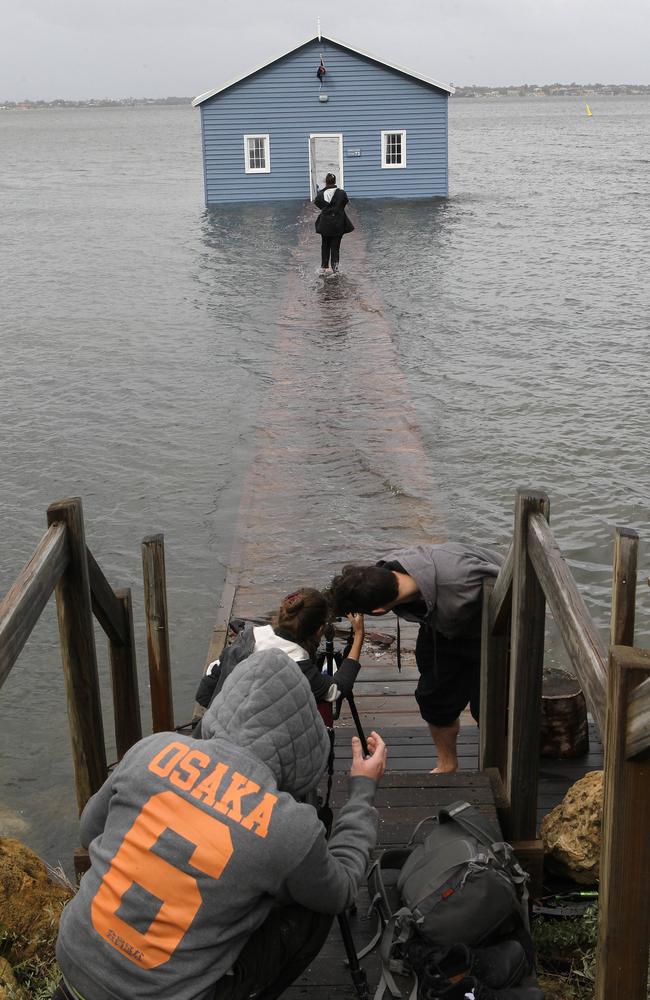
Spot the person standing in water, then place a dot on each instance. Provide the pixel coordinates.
(332, 223)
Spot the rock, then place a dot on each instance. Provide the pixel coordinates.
(571, 832)
(380, 638)
(8, 983)
(30, 903)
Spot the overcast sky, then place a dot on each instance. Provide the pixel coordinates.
(79, 49)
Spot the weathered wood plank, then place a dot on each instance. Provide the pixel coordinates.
(24, 601)
(155, 604)
(501, 602)
(493, 743)
(638, 721)
(124, 679)
(106, 608)
(581, 639)
(526, 663)
(626, 547)
(624, 914)
(78, 654)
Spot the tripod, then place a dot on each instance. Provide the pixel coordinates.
(357, 973)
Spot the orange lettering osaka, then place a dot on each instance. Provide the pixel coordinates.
(187, 769)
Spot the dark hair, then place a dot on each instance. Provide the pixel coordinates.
(330, 179)
(362, 588)
(301, 615)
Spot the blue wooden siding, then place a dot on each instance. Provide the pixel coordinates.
(364, 99)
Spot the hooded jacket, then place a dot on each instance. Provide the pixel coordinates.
(192, 844)
(253, 638)
(450, 579)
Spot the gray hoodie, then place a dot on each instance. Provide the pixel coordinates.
(450, 578)
(193, 843)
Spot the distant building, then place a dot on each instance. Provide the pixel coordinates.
(275, 132)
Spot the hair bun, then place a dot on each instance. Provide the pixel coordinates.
(294, 602)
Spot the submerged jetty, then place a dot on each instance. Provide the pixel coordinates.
(501, 771)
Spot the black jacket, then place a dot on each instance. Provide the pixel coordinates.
(332, 220)
(244, 646)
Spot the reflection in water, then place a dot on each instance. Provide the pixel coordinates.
(188, 371)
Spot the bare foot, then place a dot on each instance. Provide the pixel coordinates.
(446, 768)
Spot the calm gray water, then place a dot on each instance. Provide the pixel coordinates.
(167, 364)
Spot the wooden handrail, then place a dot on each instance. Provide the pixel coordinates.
(78, 655)
(526, 667)
(623, 912)
(638, 718)
(501, 597)
(155, 607)
(582, 640)
(626, 547)
(24, 602)
(107, 609)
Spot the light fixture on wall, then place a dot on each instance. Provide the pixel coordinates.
(323, 98)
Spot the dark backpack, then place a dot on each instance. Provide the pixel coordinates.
(460, 883)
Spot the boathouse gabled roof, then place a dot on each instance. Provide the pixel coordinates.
(342, 45)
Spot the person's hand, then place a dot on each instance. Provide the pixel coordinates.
(372, 766)
(356, 621)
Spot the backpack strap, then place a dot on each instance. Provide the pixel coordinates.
(472, 821)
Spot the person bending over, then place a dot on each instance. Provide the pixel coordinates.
(332, 223)
(300, 623)
(208, 880)
(439, 586)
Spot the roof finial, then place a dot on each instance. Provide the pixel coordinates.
(318, 27)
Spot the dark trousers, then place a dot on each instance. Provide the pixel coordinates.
(330, 246)
(275, 954)
(450, 671)
(272, 958)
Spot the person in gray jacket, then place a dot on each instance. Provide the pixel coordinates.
(209, 880)
(440, 586)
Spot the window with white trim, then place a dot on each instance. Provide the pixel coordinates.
(393, 149)
(257, 154)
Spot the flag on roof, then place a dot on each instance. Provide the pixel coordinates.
(321, 71)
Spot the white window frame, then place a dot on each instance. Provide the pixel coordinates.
(267, 153)
(384, 138)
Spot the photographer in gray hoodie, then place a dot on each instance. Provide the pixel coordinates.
(440, 586)
(208, 879)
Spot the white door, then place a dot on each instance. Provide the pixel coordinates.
(325, 157)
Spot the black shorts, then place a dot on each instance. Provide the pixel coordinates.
(449, 676)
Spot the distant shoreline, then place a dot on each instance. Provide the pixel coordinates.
(521, 90)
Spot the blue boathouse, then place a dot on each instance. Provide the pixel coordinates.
(325, 106)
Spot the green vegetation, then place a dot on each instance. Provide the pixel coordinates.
(566, 956)
(37, 976)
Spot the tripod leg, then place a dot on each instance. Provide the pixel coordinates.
(358, 974)
(357, 721)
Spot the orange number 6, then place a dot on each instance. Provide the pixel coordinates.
(135, 863)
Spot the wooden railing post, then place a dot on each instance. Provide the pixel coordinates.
(124, 677)
(626, 547)
(155, 604)
(493, 731)
(526, 663)
(623, 910)
(78, 654)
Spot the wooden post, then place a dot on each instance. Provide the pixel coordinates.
(124, 677)
(493, 730)
(155, 605)
(626, 547)
(78, 654)
(623, 910)
(526, 663)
